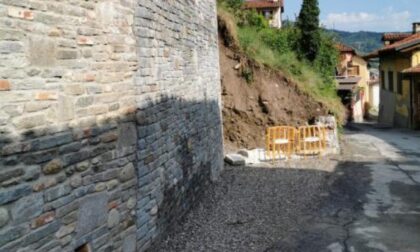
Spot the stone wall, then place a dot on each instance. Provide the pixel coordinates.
(110, 124)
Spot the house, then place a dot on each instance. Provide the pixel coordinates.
(400, 79)
(352, 77)
(272, 10)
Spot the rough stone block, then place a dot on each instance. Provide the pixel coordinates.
(14, 193)
(36, 106)
(29, 121)
(57, 192)
(43, 219)
(52, 167)
(127, 135)
(27, 208)
(10, 234)
(4, 85)
(8, 47)
(82, 166)
(65, 109)
(4, 216)
(66, 209)
(93, 212)
(52, 141)
(66, 54)
(235, 159)
(84, 101)
(100, 187)
(113, 218)
(82, 40)
(129, 243)
(46, 95)
(41, 51)
(64, 230)
(74, 89)
(20, 13)
(9, 174)
(41, 232)
(128, 172)
(55, 32)
(32, 172)
(76, 181)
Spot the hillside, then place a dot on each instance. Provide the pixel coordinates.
(364, 42)
(263, 87)
(271, 99)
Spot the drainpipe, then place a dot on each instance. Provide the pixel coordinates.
(412, 102)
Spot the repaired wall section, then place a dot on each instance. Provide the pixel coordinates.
(110, 124)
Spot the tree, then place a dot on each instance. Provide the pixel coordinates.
(308, 24)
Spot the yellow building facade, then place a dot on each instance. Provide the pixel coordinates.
(400, 82)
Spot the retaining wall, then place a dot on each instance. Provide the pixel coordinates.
(110, 124)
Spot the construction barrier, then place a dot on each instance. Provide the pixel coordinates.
(284, 141)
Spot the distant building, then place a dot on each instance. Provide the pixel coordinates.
(374, 93)
(272, 10)
(400, 79)
(352, 77)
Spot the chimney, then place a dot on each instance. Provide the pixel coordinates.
(416, 27)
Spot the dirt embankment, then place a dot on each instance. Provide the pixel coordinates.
(250, 107)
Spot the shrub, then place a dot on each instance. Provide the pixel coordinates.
(275, 39)
(247, 74)
(252, 18)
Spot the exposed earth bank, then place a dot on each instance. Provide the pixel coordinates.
(251, 106)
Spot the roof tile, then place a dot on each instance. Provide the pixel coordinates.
(412, 38)
(344, 48)
(395, 36)
(255, 4)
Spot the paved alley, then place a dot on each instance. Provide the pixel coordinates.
(367, 199)
(390, 220)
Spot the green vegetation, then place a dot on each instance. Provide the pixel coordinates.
(308, 24)
(279, 50)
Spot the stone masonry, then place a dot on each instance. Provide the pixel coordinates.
(110, 124)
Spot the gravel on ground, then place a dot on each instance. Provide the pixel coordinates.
(252, 208)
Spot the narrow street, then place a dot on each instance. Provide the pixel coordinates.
(389, 220)
(367, 199)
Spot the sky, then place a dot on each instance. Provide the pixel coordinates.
(363, 15)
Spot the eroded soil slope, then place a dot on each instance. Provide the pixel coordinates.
(249, 107)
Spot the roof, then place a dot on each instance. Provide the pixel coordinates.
(257, 4)
(372, 55)
(345, 48)
(412, 40)
(395, 36)
(412, 70)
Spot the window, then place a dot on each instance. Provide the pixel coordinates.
(268, 14)
(391, 81)
(382, 79)
(353, 70)
(400, 84)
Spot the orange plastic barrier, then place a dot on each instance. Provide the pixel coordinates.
(283, 141)
(311, 140)
(280, 141)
